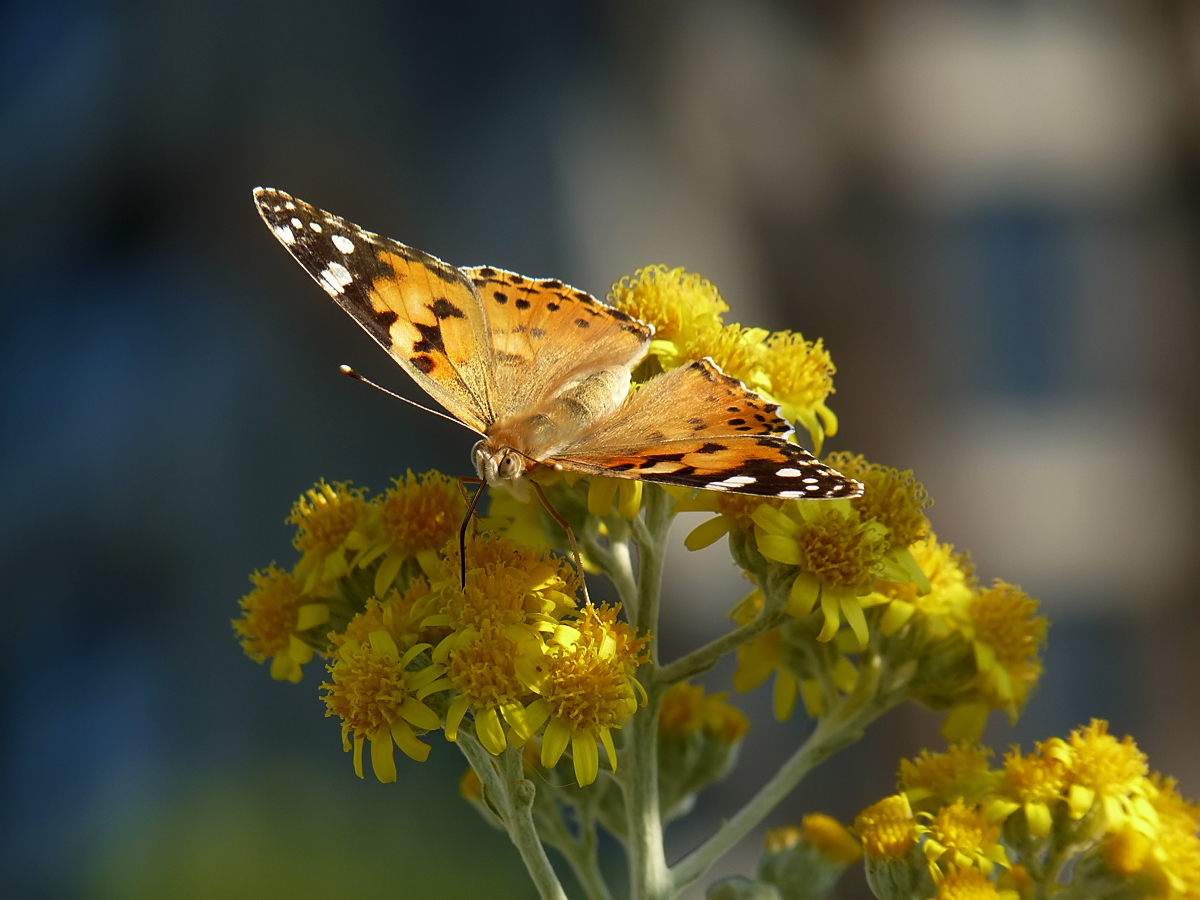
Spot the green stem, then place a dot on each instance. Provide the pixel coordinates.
(648, 874)
(515, 794)
(580, 854)
(841, 728)
(614, 562)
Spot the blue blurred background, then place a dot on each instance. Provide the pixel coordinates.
(990, 209)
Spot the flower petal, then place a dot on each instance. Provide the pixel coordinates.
(587, 758)
(708, 532)
(383, 761)
(554, 742)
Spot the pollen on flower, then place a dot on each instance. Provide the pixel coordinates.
(507, 584)
(676, 302)
(891, 496)
(1004, 621)
(274, 615)
(1177, 843)
(1035, 777)
(422, 512)
(801, 371)
(840, 550)
(484, 670)
(1101, 763)
(325, 515)
(959, 836)
(588, 688)
(377, 696)
(330, 522)
(962, 771)
(887, 828)
(269, 614)
(966, 884)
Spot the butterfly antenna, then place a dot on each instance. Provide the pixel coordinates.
(570, 536)
(357, 376)
(462, 532)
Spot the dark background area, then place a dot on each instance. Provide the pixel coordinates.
(989, 210)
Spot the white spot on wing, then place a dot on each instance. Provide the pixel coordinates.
(335, 277)
(315, 226)
(790, 495)
(789, 473)
(343, 243)
(812, 487)
(288, 205)
(741, 479)
(284, 234)
(296, 223)
(808, 480)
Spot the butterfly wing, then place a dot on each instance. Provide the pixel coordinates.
(697, 427)
(422, 311)
(546, 334)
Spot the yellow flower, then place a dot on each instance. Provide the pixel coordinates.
(756, 661)
(887, 828)
(830, 836)
(332, 522)
(417, 516)
(1007, 637)
(685, 709)
(800, 375)
(482, 666)
(840, 556)
(516, 520)
(1176, 849)
(1102, 770)
(274, 620)
(1035, 781)
(602, 491)
(378, 696)
(734, 511)
(586, 689)
(507, 584)
(959, 836)
(890, 496)
(951, 582)
(680, 305)
(962, 771)
(968, 884)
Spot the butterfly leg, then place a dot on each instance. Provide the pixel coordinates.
(566, 526)
(464, 480)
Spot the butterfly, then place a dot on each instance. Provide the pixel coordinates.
(541, 371)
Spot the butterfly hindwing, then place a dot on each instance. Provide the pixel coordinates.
(697, 427)
(546, 334)
(423, 311)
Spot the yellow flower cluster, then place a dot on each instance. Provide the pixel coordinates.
(1087, 804)
(413, 647)
(685, 709)
(686, 312)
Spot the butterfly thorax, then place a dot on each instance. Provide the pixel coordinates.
(516, 444)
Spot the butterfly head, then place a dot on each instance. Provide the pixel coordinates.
(501, 466)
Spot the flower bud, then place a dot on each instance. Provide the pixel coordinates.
(805, 863)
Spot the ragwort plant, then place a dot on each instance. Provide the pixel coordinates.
(571, 722)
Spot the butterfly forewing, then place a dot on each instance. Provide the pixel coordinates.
(546, 334)
(696, 427)
(424, 312)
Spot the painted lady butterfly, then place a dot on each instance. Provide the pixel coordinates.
(541, 371)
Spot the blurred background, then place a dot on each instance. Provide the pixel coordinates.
(990, 210)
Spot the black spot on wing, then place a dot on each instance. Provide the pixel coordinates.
(444, 309)
(583, 323)
(500, 296)
(553, 307)
(425, 364)
(431, 339)
(522, 303)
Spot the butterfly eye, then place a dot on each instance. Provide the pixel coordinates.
(510, 466)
